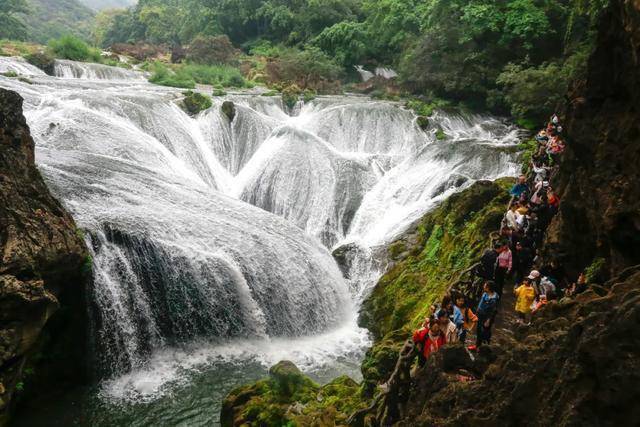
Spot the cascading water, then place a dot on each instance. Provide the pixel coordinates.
(81, 70)
(211, 238)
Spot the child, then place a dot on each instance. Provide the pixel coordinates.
(428, 339)
(525, 294)
(463, 318)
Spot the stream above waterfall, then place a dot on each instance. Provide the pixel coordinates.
(211, 239)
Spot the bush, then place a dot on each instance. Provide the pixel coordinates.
(195, 102)
(161, 75)
(73, 48)
(212, 50)
(309, 68)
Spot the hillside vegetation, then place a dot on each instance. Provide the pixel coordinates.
(496, 55)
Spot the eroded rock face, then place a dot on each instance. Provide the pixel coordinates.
(41, 253)
(599, 180)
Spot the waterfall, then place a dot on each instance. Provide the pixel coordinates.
(19, 66)
(83, 70)
(205, 229)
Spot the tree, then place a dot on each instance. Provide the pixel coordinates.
(11, 27)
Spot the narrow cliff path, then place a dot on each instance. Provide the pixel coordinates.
(506, 319)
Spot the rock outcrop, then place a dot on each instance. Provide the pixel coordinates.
(600, 211)
(41, 252)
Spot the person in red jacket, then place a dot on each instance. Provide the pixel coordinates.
(428, 339)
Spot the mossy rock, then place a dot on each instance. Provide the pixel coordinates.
(229, 109)
(288, 380)
(270, 93)
(423, 122)
(218, 92)
(440, 135)
(10, 74)
(42, 60)
(194, 102)
(446, 241)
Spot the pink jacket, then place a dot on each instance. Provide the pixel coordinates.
(505, 259)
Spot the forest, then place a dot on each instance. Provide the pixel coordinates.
(506, 56)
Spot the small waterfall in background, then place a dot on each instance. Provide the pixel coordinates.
(80, 70)
(212, 239)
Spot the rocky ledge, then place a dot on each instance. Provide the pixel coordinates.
(42, 255)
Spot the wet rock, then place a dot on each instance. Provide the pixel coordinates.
(41, 258)
(229, 109)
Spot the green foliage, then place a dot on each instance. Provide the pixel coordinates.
(71, 47)
(11, 26)
(10, 74)
(595, 272)
(440, 135)
(195, 102)
(48, 20)
(534, 91)
(218, 92)
(307, 68)
(162, 75)
(345, 41)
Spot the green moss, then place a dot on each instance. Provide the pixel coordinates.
(448, 239)
(270, 93)
(87, 265)
(218, 92)
(10, 74)
(195, 102)
(269, 401)
(594, 273)
(440, 135)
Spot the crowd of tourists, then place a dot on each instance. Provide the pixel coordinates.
(513, 258)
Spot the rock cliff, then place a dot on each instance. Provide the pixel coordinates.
(600, 211)
(42, 255)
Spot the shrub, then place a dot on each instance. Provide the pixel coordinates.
(195, 102)
(222, 75)
(161, 75)
(309, 68)
(212, 50)
(291, 96)
(73, 48)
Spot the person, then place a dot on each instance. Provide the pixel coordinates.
(504, 264)
(447, 327)
(511, 217)
(540, 171)
(579, 287)
(428, 339)
(538, 305)
(520, 187)
(487, 267)
(524, 258)
(463, 318)
(486, 312)
(525, 295)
